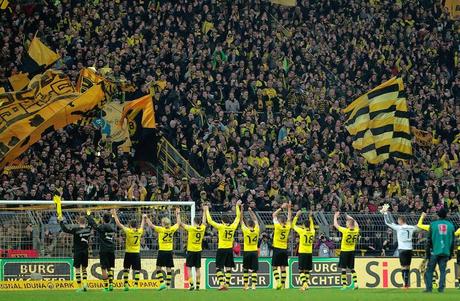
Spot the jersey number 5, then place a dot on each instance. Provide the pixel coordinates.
(228, 234)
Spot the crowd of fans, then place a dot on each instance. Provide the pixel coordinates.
(250, 93)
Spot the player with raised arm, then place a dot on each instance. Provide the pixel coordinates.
(165, 250)
(251, 231)
(224, 255)
(106, 233)
(306, 238)
(350, 236)
(426, 228)
(81, 235)
(404, 233)
(195, 235)
(282, 227)
(133, 235)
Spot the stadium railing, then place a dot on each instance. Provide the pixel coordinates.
(38, 230)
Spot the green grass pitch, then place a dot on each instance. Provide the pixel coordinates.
(233, 295)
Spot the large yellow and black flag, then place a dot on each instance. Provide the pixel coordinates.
(54, 106)
(140, 114)
(379, 123)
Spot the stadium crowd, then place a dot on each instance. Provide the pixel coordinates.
(250, 93)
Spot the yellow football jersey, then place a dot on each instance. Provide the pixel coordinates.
(133, 240)
(281, 235)
(225, 232)
(195, 237)
(165, 237)
(306, 236)
(349, 238)
(250, 238)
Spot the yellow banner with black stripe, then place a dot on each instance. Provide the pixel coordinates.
(87, 79)
(28, 129)
(44, 89)
(379, 123)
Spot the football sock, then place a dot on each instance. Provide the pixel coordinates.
(354, 276)
(125, 277)
(85, 276)
(228, 275)
(246, 277)
(220, 276)
(136, 278)
(283, 278)
(161, 277)
(405, 274)
(276, 274)
(110, 276)
(302, 278)
(168, 278)
(344, 278)
(307, 276)
(254, 278)
(78, 278)
(190, 281)
(197, 284)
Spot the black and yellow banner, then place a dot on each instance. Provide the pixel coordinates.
(379, 123)
(140, 115)
(42, 90)
(87, 79)
(144, 104)
(16, 139)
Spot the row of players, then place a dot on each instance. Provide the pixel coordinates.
(224, 255)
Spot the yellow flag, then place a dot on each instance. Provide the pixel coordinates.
(4, 4)
(19, 81)
(41, 54)
(58, 202)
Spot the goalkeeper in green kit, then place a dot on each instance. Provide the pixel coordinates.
(440, 248)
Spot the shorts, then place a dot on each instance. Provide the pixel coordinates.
(405, 257)
(305, 261)
(224, 258)
(165, 259)
(347, 260)
(80, 259)
(458, 256)
(280, 258)
(193, 259)
(132, 260)
(107, 260)
(251, 260)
